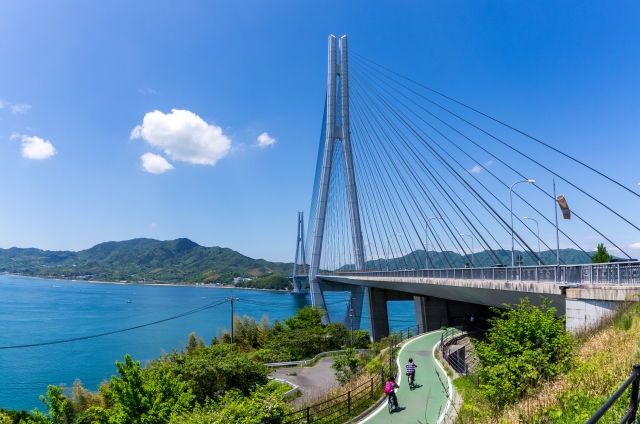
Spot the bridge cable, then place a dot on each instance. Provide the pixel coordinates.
(539, 164)
(456, 175)
(504, 124)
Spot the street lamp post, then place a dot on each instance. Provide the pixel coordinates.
(538, 226)
(511, 213)
(473, 255)
(426, 241)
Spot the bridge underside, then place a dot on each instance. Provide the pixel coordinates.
(440, 302)
(487, 293)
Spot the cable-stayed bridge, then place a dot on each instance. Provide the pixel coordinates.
(418, 196)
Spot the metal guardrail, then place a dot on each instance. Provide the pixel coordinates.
(294, 387)
(618, 273)
(630, 416)
(308, 361)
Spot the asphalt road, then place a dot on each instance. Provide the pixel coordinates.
(313, 381)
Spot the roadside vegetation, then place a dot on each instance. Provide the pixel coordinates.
(267, 282)
(215, 383)
(301, 336)
(533, 372)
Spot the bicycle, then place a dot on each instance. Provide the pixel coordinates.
(392, 403)
(411, 381)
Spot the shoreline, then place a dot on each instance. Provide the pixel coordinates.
(207, 286)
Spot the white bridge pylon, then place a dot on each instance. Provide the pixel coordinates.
(337, 90)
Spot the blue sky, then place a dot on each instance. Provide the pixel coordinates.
(78, 77)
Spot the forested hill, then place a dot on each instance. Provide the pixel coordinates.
(173, 261)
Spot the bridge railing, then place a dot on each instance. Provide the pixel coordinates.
(620, 273)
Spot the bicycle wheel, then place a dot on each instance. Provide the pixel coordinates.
(391, 404)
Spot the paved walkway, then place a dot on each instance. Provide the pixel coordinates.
(313, 381)
(427, 402)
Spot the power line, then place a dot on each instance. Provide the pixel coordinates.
(93, 336)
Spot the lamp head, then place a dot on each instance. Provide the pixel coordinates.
(531, 181)
(525, 217)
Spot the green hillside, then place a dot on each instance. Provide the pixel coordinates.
(450, 259)
(173, 261)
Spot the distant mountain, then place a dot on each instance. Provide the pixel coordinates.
(173, 261)
(485, 258)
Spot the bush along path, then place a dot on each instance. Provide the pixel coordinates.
(427, 402)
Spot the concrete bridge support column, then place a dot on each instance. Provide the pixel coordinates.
(378, 316)
(431, 312)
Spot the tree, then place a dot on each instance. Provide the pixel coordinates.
(215, 368)
(263, 404)
(345, 365)
(192, 343)
(601, 256)
(151, 396)
(307, 317)
(56, 403)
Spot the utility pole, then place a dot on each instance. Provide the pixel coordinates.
(351, 317)
(232, 300)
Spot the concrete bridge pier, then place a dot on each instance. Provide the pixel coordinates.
(431, 312)
(378, 313)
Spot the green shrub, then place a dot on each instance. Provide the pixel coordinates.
(206, 370)
(525, 345)
(232, 407)
(345, 365)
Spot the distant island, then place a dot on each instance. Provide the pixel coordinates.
(144, 260)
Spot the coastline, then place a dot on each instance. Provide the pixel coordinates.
(207, 286)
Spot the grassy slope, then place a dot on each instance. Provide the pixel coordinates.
(603, 361)
(178, 260)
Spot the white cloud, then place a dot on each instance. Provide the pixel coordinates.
(14, 136)
(21, 108)
(264, 140)
(148, 91)
(35, 147)
(478, 169)
(184, 136)
(155, 164)
(635, 246)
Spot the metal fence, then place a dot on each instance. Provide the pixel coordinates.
(621, 273)
(630, 416)
(354, 401)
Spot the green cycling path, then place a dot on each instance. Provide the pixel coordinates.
(427, 402)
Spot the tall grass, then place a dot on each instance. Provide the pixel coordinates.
(603, 360)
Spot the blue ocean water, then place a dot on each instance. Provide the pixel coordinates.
(38, 310)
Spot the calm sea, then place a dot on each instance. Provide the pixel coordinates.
(38, 310)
